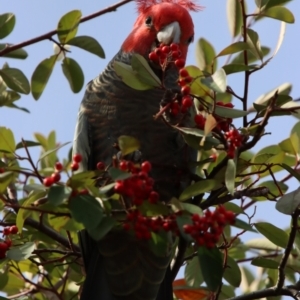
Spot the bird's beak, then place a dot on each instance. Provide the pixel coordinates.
(169, 34)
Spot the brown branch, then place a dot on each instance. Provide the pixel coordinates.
(49, 34)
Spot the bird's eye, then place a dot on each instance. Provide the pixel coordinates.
(148, 21)
(191, 39)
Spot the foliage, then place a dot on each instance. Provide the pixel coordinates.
(46, 200)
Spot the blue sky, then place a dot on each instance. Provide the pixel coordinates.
(57, 108)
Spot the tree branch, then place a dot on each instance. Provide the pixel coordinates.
(49, 34)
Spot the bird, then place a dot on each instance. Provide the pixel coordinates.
(119, 267)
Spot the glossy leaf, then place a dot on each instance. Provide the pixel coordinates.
(288, 203)
(232, 272)
(230, 176)
(58, 194)
(27, 144)
(254, 43)
(41, 76)
(68, 25)
(181, 221)
(7, 24)
(19, 53)
(15, 80)
(198, 188)
(216, 81)
(192, 273)
(5, 179)
(205, 54)
(21, 252)
(234, 17)
(7, 140)
(243, 225)
(279, 13)
(117, 174)
(106, 224)
(211, 265)
(87, 43)
(235, 68)
(233, 48)
(261, 3)
(128, 144)
(227, 112)
(265, 263)
(276, 235)
(52, 150)
(261, 244)
(272, 3)
(93, 212)
(130, 77)
(144, 71)
(73, 73)
(291, 171)
(239, 58)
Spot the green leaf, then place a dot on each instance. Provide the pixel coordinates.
(73, 73)
(93, 212)
(144, 71)
(128, 144)
(58, 194)
(197, 188)
(287, 146)
(7, 24)
(160, 243)
(261, 244)
(205, 55)
(233, 48)
(216, 81)
(7, 140)
(273, 189)
(21, 252)
(261, 3)
(265, 263)
(232, 272)
(52, 150)
(41, 76)
(192, 273)
(239, 59)
(68, 25)
(276, 235)
(235, 68)
(243, 225)
(87, 43)
(227, 112)
(230, 176)
(272, 3)
(27, 144)
(291, 171)
(106, 225)
(234, 208)
(279, 13)
(234, 17)
(19, 53)
(289, 202)
(5, 179)
(130, 77)
(181, 221)
(117, 174)
(254, 43)
(211, 265)
(191, 208)
(15, 80)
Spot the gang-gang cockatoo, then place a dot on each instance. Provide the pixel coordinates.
(119, 267)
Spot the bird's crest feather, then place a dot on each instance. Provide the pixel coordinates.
(191, 5)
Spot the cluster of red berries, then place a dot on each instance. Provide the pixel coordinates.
(55, 177)
(77, 158)
(165, 54)
(206, 230)
(223, 124)
(143, 226)
(234, 139)
(5, 245)
(139, 186)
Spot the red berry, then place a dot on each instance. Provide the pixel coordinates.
(2, 170)
(174, 47)
(230, 105)
(119, 187)
(183, 73)
(187, 101)
(126, 226)
(84, 192)
(146, 166)
(48, 181)
(100, 165)
(185, 90)
(58, 166)
(74, 166)
(3, 247)
(175, 54)
(56, 177)
(213, 157)
(153, 56)
(123, 165)
(77, 158)
(6, 231)
(13, 229)
(2, 254)
(188, 79)
(220, 103)
(181, 82)
(153, 197)
(165, 49)
(179, 63)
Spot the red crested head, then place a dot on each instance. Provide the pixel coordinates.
(161, 21)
